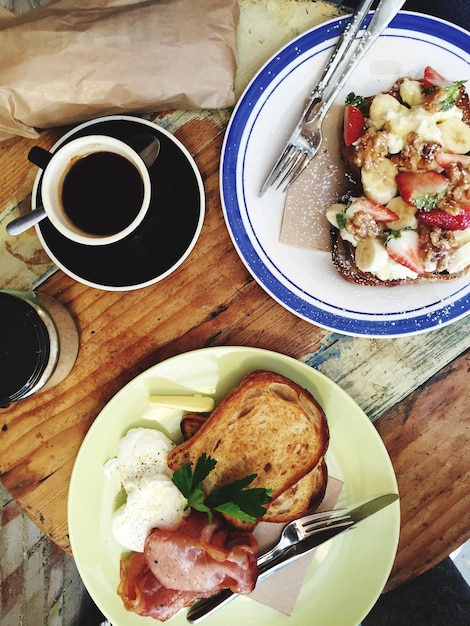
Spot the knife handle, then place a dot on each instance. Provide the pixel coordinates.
(206, 607)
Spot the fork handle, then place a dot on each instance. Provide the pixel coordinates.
(381, 18)
(339, 52)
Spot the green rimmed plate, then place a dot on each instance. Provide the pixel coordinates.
(347, 574)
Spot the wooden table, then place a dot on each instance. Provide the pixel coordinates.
(415, 389)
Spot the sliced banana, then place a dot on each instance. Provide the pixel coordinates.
(460, 259)
(371, 255)
(411, 93)
(462, 236)
(406, 214)
(383, 108)
(455, 135)
(379, 183)
(333, 211)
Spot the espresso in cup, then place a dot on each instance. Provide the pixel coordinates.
(102, 193)
(96, 190)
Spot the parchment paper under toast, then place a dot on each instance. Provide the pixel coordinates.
(280, 590)
(325, 180)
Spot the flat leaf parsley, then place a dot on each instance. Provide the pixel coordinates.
(232, 499)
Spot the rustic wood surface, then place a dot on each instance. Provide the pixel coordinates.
(427, 436)
(416, 388)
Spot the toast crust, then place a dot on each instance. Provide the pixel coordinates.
(270, 426)
(305, 494)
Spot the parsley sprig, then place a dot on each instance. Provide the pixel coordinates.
(232, 499)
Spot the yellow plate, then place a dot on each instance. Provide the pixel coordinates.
(347, 574)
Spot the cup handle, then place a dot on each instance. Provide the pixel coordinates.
(39, 156)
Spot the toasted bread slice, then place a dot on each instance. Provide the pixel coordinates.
(190, 424)
(269, 426)
(306, 493)
(343, 256)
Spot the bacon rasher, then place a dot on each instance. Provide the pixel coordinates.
(195, 562)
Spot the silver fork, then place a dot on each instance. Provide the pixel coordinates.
(304, 527)
(271, 561)
(306, 138)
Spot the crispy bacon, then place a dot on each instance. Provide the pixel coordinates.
(178, 568)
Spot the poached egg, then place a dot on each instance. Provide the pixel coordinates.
(153, 501)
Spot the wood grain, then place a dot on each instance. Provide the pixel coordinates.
(428, 436)
(210, 300)
(416, 388)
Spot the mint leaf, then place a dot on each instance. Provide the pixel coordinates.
(428, 201)
(453, 92)
(341, 220)
(358, 101)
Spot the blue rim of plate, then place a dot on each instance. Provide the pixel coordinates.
(234, 203)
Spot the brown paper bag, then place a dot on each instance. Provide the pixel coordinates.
(74, 60)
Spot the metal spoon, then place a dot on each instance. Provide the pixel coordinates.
(147, 146)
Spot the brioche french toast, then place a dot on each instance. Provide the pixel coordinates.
(409, 149)
(270, 426)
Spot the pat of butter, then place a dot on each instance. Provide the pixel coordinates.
(199, 404)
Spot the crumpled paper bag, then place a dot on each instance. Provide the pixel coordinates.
(74, 60)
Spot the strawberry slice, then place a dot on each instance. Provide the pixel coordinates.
(403, 247)
(447, 158)
(422, 190)
(354, 124)
(442, 219)
(378, 212)
(432, 78)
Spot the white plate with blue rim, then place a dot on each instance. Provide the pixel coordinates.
(305, 281)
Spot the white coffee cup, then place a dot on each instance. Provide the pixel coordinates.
(95, 189)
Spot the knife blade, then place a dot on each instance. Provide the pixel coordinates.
(206, 607)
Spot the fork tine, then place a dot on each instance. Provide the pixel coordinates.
(344, 522)
(299, 162)
(295, 161)
(300, 167)
(323, 523)
(279, 167)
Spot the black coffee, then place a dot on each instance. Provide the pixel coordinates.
(102, 193)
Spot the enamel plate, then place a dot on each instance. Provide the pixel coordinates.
(304, 281)
(353, 567)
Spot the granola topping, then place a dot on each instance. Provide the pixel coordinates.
(411, 148)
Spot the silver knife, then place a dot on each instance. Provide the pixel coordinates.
(206, 607)
(316, 109)
(337, 56)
